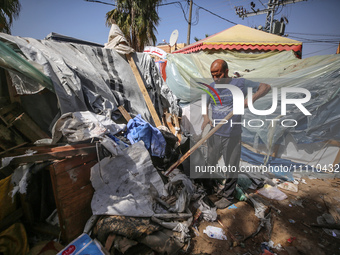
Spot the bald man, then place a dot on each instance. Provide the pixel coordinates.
(226, 141)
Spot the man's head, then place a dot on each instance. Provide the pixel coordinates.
(219, 70)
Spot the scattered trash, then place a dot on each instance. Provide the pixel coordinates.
(83, 245)
(291, 221)
(277, 247)
(326, 221)
(208, 209)
(290, 240)
(296, 202)
(215, 232)
(240, 194)
(272, 192)
(265, 249)
(233, 206)
(289, 186)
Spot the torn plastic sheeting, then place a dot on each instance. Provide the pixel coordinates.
(138, 129)
(319, 75)
(122, 184)
(118, 41)
(184, 196)
(94, 78)
(81, 126)
(11, 61)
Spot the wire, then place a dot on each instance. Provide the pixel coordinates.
(313, 34)
(315, 40)
(262, 4)
(100, 2)
(318, 51)
(200, 7)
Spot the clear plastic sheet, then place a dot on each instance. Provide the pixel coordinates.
(320, 75)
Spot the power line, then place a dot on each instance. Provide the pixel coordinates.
(316, 40)
(318, 51)
(313, 34)
(100, 2)
(200, 7)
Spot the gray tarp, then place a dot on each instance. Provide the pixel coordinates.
(93, 78)
(126, 184)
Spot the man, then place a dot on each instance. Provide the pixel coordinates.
(227, 140)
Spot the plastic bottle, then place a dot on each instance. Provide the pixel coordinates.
(215, 232)
(240, 194)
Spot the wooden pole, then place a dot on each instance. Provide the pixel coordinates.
(145, 93)
(198, 144)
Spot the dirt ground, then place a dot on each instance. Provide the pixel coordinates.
(291, 219)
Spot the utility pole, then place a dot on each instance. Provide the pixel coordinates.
(272, 7)
(189, 23)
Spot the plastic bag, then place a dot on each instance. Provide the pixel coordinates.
(215, 232)
(272, 192)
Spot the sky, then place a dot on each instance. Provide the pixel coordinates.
(314, 22)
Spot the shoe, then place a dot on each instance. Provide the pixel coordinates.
(223, 203)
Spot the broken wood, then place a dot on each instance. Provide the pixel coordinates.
(73, 193)
(124, 112)
(109, 241)
(145, 93)
(198, 144)
(50, 156)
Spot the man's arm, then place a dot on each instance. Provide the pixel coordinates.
(261, 91)
(206, 121)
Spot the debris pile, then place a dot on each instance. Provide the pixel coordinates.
(88, 155)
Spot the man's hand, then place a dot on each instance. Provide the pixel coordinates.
(206, 121)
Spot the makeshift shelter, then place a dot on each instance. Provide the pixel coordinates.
(313, 141)
(54, 93)
(243, 39)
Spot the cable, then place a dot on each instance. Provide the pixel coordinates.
(313, 34)
(315, 40)
(262, 4)
(318, 51)
(200, 7)
(100, 2)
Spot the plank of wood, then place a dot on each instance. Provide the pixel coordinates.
(13, 95)
(73, 180)
(47, 148)
(9, 139)
(73, 199)
(75, 224)
(109, 241)
(145, 93)
(124, 112)
(54, 155)
(67, 164)
(168, 119)
(198, 144)
(177, 127)
(28, 128)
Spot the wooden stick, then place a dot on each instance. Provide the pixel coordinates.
(124, 112)
(145, 93)
(198, 144)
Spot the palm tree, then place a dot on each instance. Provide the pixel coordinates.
(137, 19)
(9, 10)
